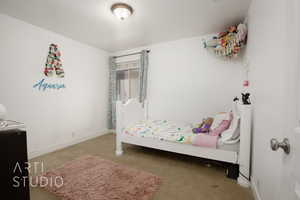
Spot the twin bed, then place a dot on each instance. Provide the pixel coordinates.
(134, 127)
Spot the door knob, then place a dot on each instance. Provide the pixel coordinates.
(285, 145)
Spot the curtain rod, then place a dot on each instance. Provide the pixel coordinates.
(131, 54)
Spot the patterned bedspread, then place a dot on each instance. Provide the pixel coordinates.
(162, 130)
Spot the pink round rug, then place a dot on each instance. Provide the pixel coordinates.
(93, 178)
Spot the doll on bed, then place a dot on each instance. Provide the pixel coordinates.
(204, 126)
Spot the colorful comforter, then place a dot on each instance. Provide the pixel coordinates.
(165, 130)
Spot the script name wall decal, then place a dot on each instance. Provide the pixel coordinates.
(43, 86)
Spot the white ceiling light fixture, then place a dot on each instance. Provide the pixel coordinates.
(121, 10)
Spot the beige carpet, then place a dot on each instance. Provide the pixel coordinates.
(184, 177)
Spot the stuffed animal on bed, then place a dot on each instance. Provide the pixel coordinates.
(204, 126)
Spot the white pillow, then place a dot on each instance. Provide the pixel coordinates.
(235, 109)
(218, 119)
(233, 132)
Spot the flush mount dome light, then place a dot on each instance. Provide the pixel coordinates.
(121, 10)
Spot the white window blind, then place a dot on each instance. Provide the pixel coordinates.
(128, 80)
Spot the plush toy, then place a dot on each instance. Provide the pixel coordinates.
(232, 29)
(241, 33)
(211, 43)
(222, 34)
(229, 42)
(198, 128)
(236, 99)
(204, 126)
(246, 99)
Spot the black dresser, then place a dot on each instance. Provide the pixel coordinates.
(14, 180)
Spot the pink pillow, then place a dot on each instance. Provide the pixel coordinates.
(205, 140)
(224, 125)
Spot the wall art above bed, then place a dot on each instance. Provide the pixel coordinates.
(228, 43)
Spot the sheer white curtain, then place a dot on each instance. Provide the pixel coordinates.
(127, 79)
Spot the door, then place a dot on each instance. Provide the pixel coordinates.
(290, 169)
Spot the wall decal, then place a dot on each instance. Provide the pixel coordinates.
(42, 85)
(53, 67)
(53, 62)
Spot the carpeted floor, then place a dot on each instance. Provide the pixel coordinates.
(184, 177)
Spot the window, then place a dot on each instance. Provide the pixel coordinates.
(128, 79)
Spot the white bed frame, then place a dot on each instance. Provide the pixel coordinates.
(133, 111)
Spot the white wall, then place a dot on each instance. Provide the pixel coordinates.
(273, 77)
(186, 82)
(51, 116)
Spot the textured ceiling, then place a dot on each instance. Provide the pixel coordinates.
(91, 22)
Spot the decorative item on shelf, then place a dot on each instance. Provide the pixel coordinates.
(228, 43)
(246, 83)
(246, 98)
(236, 99)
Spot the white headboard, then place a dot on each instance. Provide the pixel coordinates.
(245, 112)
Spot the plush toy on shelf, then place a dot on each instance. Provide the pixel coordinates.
(228, 43)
